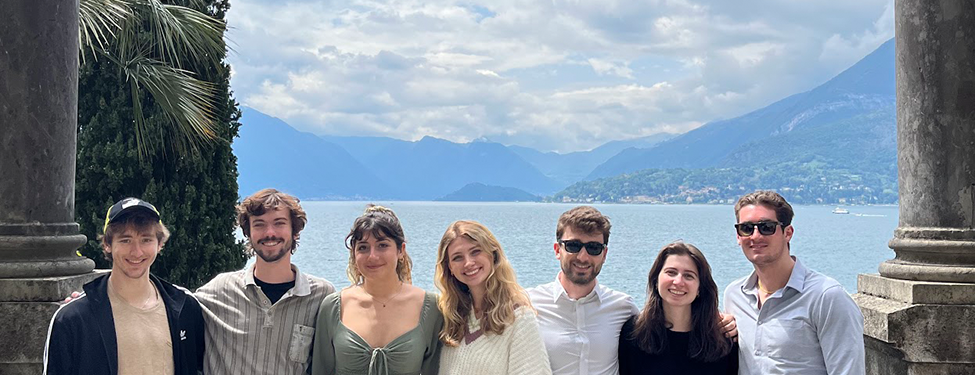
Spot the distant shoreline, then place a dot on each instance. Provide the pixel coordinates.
(364, 201)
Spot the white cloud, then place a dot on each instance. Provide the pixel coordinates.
(488, 73)
(560, 75)
(844, 47)
(754, 54)
(616, 68)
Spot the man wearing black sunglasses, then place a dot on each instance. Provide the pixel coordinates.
(578, 318)
(790, 319)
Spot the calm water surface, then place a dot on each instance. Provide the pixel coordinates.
(840, 246)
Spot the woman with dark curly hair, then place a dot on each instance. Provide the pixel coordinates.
(678, 329)
(381, 324)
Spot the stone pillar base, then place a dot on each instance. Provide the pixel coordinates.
(42, 250)
(917, 327)
(27, 306)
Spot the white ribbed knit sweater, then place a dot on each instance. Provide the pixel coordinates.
(517, 351)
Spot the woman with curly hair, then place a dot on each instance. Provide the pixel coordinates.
(489, 324)
(381, 324)
(678, 330)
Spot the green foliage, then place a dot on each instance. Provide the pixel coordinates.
(195, 193)
(801, 183)
(866, 143)
(151, 43)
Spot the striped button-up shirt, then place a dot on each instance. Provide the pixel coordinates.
(246, 334)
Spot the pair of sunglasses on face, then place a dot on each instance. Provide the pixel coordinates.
(593, 248)
(765, 227)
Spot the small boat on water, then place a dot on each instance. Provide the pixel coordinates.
(841, 211)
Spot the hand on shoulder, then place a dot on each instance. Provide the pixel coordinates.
(72, 297)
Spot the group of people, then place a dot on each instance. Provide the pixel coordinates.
(270, 318)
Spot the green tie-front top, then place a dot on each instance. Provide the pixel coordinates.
(340, 351)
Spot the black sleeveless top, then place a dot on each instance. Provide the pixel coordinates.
(674, 360)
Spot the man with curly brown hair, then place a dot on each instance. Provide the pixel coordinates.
(261, 320)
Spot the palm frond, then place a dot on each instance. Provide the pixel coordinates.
(128, 44)
(141, 129)
(99, 20)
(186, 101)
(180, 31)
(177, 36)
(196, 4)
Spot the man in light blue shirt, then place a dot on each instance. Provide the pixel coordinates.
(791, 320)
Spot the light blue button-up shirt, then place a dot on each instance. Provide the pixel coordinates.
(812, 326)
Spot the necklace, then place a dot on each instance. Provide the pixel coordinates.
(388, 299)
(763, 290)
(152, 297)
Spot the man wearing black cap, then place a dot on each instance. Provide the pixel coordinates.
(128, 321)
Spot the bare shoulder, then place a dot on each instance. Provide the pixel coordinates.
(352, 294)
(413, 298)
(414, 292)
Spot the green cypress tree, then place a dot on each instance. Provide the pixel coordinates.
(195, 192)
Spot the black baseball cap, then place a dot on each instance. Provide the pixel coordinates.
(128, 205)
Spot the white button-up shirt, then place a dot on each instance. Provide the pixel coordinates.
(581, 336)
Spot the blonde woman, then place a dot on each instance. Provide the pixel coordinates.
(489, 324)
(381, 324)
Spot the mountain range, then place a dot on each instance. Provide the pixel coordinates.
(865, 90)
(342, 167)
(833, 144)
(431, 168)
(574, 166)
(844, 127)
(270, 153)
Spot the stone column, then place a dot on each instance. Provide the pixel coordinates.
(920, 311)
(39, 263)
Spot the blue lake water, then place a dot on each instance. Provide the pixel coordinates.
(840, 246)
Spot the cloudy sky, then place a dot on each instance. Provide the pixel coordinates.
(556, 75)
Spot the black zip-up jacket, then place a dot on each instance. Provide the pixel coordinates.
(81, 338)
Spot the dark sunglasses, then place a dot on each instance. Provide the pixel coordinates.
(593, 248)
(766, 228)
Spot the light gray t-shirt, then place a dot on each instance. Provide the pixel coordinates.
(812, 326)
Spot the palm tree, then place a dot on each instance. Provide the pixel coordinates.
(178, 36)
